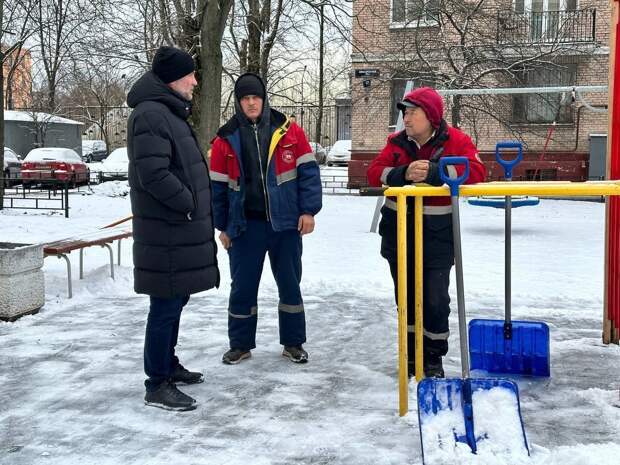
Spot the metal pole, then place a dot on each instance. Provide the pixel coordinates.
(460, 291)
(66, 195)
(401, 241)
(419, 287)
(522, 90)
(507, 268)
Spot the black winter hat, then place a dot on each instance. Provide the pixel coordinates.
(171, 63)
(249, 84)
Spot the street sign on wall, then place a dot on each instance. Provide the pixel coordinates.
(367, 73)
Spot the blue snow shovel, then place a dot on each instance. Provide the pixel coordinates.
(446, 406)
(509, 346)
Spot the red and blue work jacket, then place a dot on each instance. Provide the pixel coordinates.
(293, 182)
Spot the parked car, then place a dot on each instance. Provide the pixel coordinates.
(54, 164)
(340, 153)
(11, 171)
(319, 153)
(94, 150)
(116, 165)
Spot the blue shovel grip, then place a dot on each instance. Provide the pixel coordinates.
(454, 183)
(508, 165)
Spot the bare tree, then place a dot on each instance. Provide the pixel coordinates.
(40, 118)
(14, 20)
(96, 93)
(473, 44)
(214, 15)
(63, 27)
(258, 27)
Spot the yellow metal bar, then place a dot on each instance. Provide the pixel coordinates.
(401, 241)
(419, 290)
(541, 189)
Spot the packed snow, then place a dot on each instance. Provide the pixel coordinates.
(71, 383)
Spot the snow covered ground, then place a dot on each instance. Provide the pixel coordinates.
(71, 377)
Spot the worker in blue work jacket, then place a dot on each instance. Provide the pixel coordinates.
(266, 192)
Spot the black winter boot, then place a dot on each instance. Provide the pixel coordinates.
(235, 356)
(168, 397)
(296, 354)
(433, 366)
(182, 375)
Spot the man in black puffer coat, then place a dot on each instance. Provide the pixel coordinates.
(174, 250)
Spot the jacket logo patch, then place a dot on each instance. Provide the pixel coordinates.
(288, 156)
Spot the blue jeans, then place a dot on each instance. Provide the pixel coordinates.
(162, 331)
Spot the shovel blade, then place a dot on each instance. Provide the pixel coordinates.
(526, 352)
(458, 417)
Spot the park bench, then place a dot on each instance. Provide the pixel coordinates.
(102, 237)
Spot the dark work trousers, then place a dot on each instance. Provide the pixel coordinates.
(162, 331)
(247, 256)
(438, 260)
(435, 307)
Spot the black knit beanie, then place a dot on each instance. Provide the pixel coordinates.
(249, 84)
(170, 64)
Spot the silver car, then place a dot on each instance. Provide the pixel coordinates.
(12, 169)
(319, 153)
(340, 153)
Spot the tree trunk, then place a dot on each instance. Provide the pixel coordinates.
(253, 22)
(319, 118)
(211, 32)
(456, 111)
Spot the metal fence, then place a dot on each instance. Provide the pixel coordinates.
(44, 196)
(336, 122)
(546, 26)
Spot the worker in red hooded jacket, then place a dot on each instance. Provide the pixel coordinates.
(412, 156)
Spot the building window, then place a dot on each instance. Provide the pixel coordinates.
(397, 91)
(544, 108)
(412, 13)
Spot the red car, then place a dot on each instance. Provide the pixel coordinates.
(54, 164)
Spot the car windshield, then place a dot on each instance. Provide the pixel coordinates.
(92, 145)
(10, 155)
(50, 154)
(119, 155)
(342, 145)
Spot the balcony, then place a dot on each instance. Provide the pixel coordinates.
(546, 27)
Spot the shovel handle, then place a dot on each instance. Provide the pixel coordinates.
(508, 165)
(454, 183)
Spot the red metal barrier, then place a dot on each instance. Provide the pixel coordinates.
(611, 318)
(552, 166)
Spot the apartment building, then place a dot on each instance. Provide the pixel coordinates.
(17, 87)
(460, 44)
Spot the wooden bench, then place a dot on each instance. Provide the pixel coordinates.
(101, 237)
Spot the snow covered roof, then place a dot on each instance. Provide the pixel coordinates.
(11, 115)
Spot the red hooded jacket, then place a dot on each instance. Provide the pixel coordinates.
(389, 167)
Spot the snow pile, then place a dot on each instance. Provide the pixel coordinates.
(112, 189)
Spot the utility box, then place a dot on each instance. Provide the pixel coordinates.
(22, 286)
(598, 156)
